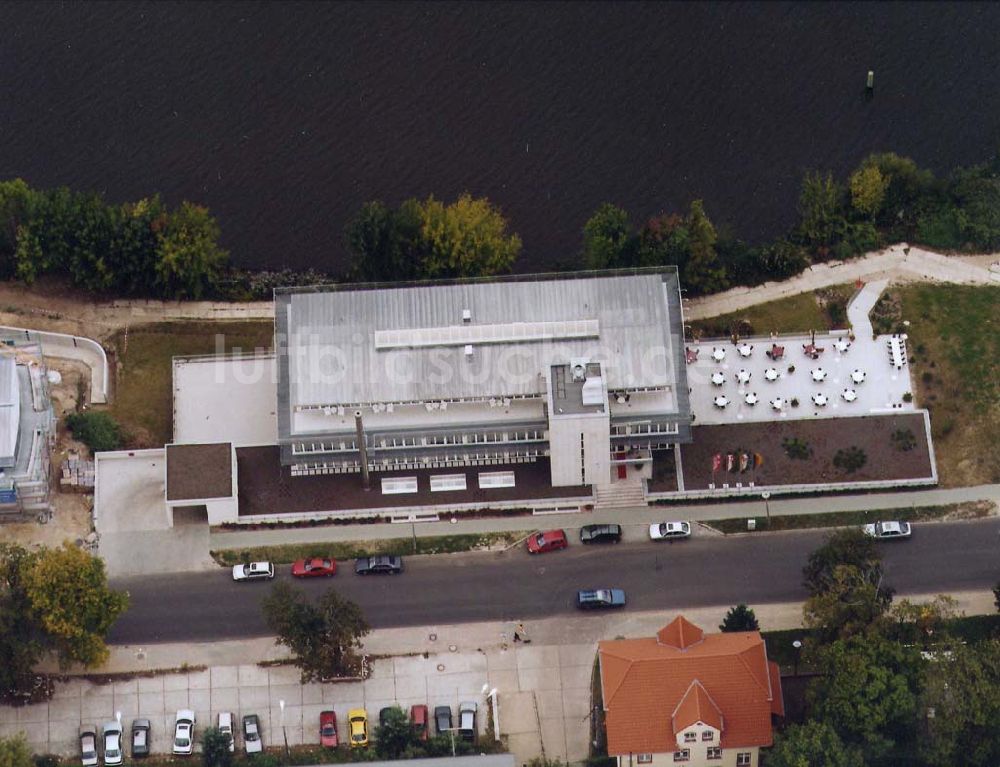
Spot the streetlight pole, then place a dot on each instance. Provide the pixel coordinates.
(767, 506)
(797, 644)
(284, 732)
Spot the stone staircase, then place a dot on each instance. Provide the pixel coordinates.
(619, 495)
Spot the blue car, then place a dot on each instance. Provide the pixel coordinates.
(597, 599)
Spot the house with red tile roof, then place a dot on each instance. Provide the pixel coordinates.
(687, 697)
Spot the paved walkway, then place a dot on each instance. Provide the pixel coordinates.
(85, 350)
(860, 307)
(638, 517)
(899, 262)
(543, 688)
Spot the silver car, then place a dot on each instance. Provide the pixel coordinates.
(113, 744)
(255, 571)
(888, 530)
(666, 531)
(88, 746)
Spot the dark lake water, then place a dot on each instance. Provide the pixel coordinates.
(283, 118)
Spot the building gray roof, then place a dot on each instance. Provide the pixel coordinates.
(349, 345)
(10, 411)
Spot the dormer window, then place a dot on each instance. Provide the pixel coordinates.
(690, 737)
(708, 735)
(682, 755)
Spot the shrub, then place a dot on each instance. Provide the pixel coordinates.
(851, 459)
(96, 429)
(796, 448)
(908, 397)
(903, 440)
(739, 618)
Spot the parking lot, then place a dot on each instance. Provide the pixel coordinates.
(543, 692)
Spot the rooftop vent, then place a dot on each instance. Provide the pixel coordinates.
(466, 315)
(578, 369)
(593, 391)
(468, 351)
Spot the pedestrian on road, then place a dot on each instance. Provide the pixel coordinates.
(519, 632)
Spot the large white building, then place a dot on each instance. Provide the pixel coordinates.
(585, 369)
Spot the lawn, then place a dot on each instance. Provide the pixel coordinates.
(954, 345)
(968, 510)
(143, 403)
(823, 310)
(440, 544)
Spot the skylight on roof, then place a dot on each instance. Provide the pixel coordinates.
(499, 333)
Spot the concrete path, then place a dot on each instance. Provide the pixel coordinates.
(85, 350)
(639, 516)
(899, 262)
(860, 308)
(543, 688)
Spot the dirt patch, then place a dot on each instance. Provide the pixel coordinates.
(825, 438)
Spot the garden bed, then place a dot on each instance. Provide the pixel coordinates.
(818, 442)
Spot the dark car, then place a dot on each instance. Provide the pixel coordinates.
(380, 565)
(601, 534)
(140, 737)
(596, 599)
(317, 567)
(549, 540)
(442, 719)
(418, 718)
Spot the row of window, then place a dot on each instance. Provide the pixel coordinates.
(691, 737)
(627, 429)
(712, 752)
(447, 482)
(531, 435)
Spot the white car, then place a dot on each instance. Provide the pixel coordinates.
(184, 732)
(255, 571)
(467, 720)
(226, 728)
(88, 746)
(251, 734)
(113, 744)
(665, 531)
(888, 530)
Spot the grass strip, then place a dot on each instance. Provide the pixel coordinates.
(965, 510)
(284, 554)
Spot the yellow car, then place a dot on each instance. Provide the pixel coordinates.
(358, 723)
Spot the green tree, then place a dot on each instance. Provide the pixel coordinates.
(813, 744)
(215, 748)
(868, 187)
(17, 205)
(961, 705)
(189, 259)
(324, 638)
(976, 192)
(468, 238)
(96, 429)
(71, 601)
(853, 601)
(820, 210)
(664, 241)
(608, 239)
(739, 618)
(386, 244)
(909, 191)
(703, 273)
(849, 546)
(868, 693)
(135, 246)
(395, 736)
(20, 643)
(14, 752)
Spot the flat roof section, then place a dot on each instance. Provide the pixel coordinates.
(267, 487)
(196, 472)
(226, 398)
(328, 337)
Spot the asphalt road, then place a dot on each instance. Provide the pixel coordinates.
(482, 586)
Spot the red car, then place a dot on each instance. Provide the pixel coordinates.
(328, 729)
(549, 540)
(314, 568)
(418, 718)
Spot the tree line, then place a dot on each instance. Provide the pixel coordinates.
(896, 683)
(147, 249)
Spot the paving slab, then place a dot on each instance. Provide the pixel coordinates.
(150, 684)
(413, 687)
(577, 655)
(517, 714)
(550, 704)
(36, 733)
(505, 680)
(199, 680)
(575, 676)
(380, 688)
(252, 676)
(576, 703)
(174, 682)
(501, 659)
(290, 693)
(175, 699)
(225, 699)
(554, 737)
(411, 665)
(542, 678)
(278, 675)
(64, 708)
(97, 708)
(445, 687)
(38, 712)
(151, 704)
(252, 699)
(71, 689)
(200, 700)
(126, 686)
(337, 693)
(63, 736)
(525, 746)
(312, 693)
(224, 676)
(128, 705)
(539, 656)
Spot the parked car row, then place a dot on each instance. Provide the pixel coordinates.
(111, 744)
(545, 541)
(318, 567)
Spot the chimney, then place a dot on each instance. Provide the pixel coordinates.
(363, 450)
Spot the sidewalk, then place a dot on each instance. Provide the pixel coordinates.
(543, 688)
(637, 517)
